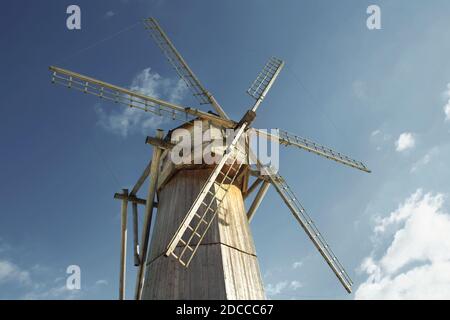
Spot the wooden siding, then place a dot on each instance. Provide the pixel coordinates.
(225, 266)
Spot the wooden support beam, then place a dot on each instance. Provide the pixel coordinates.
(123, 246)
(252, 187)
(132, 198)
(257, 201)
(246, 176)
(135, 235)
(141, 180)
(160, 143)
(245, 182)
(241, 176)
(256, 173)
(148, 216)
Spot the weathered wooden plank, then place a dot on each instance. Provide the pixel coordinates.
(154, 170)
(258, 199)
(252, 188)
(123, 246)
(160, 143)
(135, 235)
(205, 278)
(131, 198)
(141, 179)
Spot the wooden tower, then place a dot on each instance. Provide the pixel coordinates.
(225, 265)
(201, 243)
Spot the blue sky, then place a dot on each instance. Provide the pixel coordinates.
(378, 96)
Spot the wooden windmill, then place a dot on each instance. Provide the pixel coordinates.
(201, 245)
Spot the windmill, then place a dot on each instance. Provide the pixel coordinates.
(201, 245)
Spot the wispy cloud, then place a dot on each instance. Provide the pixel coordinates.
(415, 265)
(447, 112)
(126, 121)
(375, 133)
(282, 288)
(426, 159)
(447, 105)
(101, 282)
(110, 14)
(294, 285)
(130, 120)
(13, 276)
(276, 289)
(60, 292)
(297, 264)
(379, 138)
(359, 89)
(35, 281)
(10, 272)
(405, 141)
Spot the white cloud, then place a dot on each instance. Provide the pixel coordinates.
(379, 138)
(447, 105)
(403, 211)
(59, 292)
(425, 159)
(294, 285)
(297, 264)
(38, 281)
(405, 141)
(375, 133)
(359, 89)
(447, 111)
(415, 265)
(110, 14)
(147, 82)
(282, 288)
(9, 272)
(101, 282)
(273, 290)
(152, 84)
(129, 120)
(126, 121)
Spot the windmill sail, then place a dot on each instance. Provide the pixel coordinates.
(132, 99)
(181, 67)
(265, 78)
(310, 228)
(289, 139)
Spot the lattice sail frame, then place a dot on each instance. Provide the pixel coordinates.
(132, 99)
(308, 226)
(181, 67)
(289, 139)
(264, 80)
